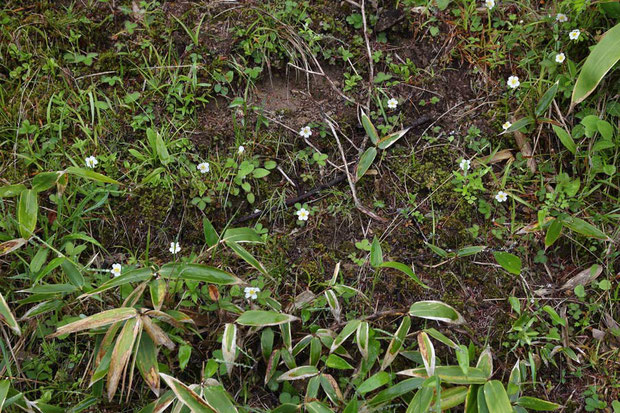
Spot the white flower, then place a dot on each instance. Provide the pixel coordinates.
(465, 164)
(501, 196)
(251, 292)
(506, 125)
(560, 58)
(241, 149)
(174, 248)
(305, 132)
(574, 34)
(392, 103)
(561, 17)
(203, 167)
(513, 82)
(91, 161)
(303, 214)
(116, 270)
(490, 4)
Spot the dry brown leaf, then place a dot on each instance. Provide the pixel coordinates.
(158, 335)
(584, 277)
(122, 351)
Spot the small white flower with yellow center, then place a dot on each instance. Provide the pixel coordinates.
(490, 4)
(506, 125)
(116, 270)
(574, 34)
(392, 103)
(203, 167)
(305, 132)
(513, 82)
(561, 17)
(302, 214)
(560, 58)
(241, 149)
(465, 165)
(501, 196)
(91, 161)
(251, 293)
(175, 248)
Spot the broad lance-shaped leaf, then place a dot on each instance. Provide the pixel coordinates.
(518, 125)
(363, 338)
(404, 269)
(396, 390)
(299, 373)
(10, 191)
(133, 276)
(12, 245)
(187, 396)
(566, 139)
(247, 256)
(89, 174)
(421, 401)
(198, 272)
(602, 58)
(374, 382)
(450, 374)
(27, 211)
(333, 303)
(347, 330)
(485, 362)
(496, 397)
(533, 403)
(4, 390)
(584, 228)
(370, 129)
(98, 320)
(452, 397)
(260, 318)
(508, 261)
(218, 399)
(229, 346)
(158, 335)
(396, 343)
(391, 139)
(44, 181)
(547, 98)
(427, 351)
(146, 360)
(120, 355)
(436, 310)
(7, 316)
(366, 160)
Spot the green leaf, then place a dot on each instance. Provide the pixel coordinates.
(546, 99)
(218, 399)
(450, 374)
(462, 356)
(4, 390)
(452, 397)
(601, 59)
(396, 343)
(376, 255)
(101, 319)
(470, 250)
(404, 269)
(198, 272)
(346, 331)
(229, 346)
(396, 390)
(584, 228)
(146, 360)
(44, 181)
(241, 235)
(7, 316)
(247, 257)
(211, 236)
(518, 125)
(554, 315)
(366, 160)
(187, 396)
(540, 405)
(337, 362)
(10, 191)
(485, 362)
(391, 139)
(260, 318)
(27, 211)
(133, 276)
(566, 139)
(439, 251)
(553, 232)
(92, 175)
(260, 173)
(374, 382)
(421, 402)
(508, 261)
(73, 274)
(299, 373)
(317, 407)
(436, 310)
(496, 397)
(160, 146)
(370, 129)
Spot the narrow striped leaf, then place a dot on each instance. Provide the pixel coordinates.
(396, 343)
(363, 338)
(120, 355)
(427, 351)
(496, 397)
(95, 321)
(7, 317)
(436, 310)
(347, 330)
(187, 396)
(229, 346)
(299, 373)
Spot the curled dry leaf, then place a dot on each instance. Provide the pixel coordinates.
(584, 277)
(10, 246)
